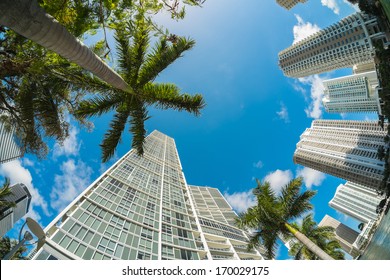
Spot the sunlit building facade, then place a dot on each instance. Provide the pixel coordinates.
(21, 196)
(356, 201)
(343, 233)
(142, 208)
(345, 149)
(353, 93)
(217, 222)
(342, 45)
(288, 4)
(9, 150)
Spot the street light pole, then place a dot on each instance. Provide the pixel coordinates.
(36, 229)
(27, 237)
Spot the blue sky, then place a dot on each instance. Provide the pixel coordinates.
(249, 128)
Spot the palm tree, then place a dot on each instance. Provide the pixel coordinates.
(139, 67)
(272, 214)
(6, 244)
(5, 191)
(324, 237)
(28, 19)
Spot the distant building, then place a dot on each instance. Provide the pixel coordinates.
(215, 214)
(354, 93)
(342, 45)
(356, 201)
(142, 208)
(345, 149)
(9, 150)
(288, 4)
(10, 215)
(344, 234)
(364, 67)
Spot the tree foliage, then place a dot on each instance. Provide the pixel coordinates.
(139, 65)
(273, 212)
(6, 244)
(323, 237)
(33, 99)
(5, 191)
(37, 91)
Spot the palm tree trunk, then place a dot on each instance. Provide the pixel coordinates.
(28, 19)
(308, 243)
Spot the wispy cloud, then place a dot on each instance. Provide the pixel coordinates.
(311, 177)
(278, 179)
(258, 164)
(240, 201)
(19, 174)
(283, 113)
(331, 4)
(316, 94)
(76, 176)
(70, 147)
(303, 29)
(355, 7)
(370, 118)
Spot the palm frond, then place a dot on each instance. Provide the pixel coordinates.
(80, 80)
(269, 243)
(98, 105)
(301, 205)
(139, 115)
(294, 202)
(123, 50)
(161, 57)
(167, 96)
(48, 113)
(6, 191)
(113, 136)
(138, 48)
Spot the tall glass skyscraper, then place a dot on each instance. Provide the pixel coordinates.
(342, 45)
(142, 208)
(345, 149)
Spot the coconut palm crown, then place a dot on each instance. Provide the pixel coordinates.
(271, 216)
(139, 66)
(323, 236)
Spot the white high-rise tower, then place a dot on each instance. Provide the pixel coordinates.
(354, 93)
(142, 208)
(356, 201)
(345, 149)
(342, 45)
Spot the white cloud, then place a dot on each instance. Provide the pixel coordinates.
(75, 178)
(331, 4)
(283, 113)
(371, 117)
(316, 94)
(28, 162)
(278, 179)
(70, 145)
(355, 7)
(18, 174)
(311, 177)
(303, 29)
(240, 201)
(258, 164)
